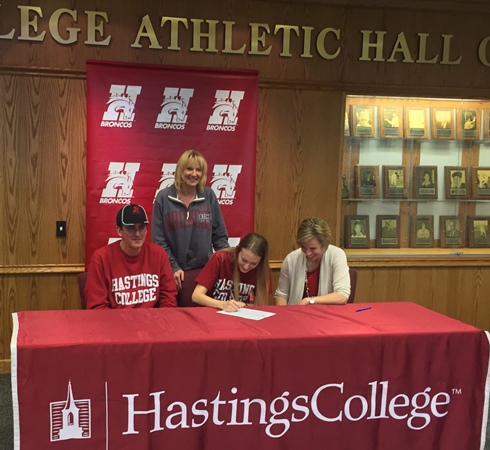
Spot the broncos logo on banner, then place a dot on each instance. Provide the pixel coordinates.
(168, 176)
(175, 104)
(223, 182)
(174, 110)
(121, 103)
(225, 109)
(119, 182)
(122, 106)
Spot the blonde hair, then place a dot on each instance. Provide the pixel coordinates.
(259, 246)
(314, 228)
(187, 159)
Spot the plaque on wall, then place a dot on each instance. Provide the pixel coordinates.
(481, 182)
(456, 179)
(425, 181)
(391, 122)
(451, 231)
(416, 123)
(388, 231)
(478, 231)
(394, 182)
(367, 181)
(443, 123)
(362, 121)
(468, 123)
(357, 231)
(422, 231)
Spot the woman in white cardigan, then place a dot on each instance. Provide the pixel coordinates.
(315, 273)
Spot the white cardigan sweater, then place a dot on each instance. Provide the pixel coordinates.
(334, 275)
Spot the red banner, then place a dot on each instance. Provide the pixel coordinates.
(141, 118)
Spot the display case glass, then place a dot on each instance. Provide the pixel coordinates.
(423, 164)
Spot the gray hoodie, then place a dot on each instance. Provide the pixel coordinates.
(188, 235)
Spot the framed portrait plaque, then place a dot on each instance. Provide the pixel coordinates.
(451, 231)
(481, 182)
(456, 182)
(388, 231)
(367, 181)
(357, 231)
(442, 123)
(425, 181)
(362, 124)
(422, 234)
(468, 123)
(391, 122)
(394, 182)
(478, 231)
(416, 123)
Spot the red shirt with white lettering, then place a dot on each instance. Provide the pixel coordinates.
(217, 278)
(116, 280)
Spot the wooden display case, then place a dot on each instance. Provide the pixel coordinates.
(422, 174)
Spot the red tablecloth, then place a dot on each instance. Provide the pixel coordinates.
(396, 376)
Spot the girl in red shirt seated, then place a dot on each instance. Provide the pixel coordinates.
(236, 276)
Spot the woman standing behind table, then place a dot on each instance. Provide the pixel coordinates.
(317, 272)
(187, 222)
(235, 277)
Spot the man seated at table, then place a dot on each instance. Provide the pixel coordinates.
(130, 273)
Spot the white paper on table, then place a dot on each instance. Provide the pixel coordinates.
(248, 313)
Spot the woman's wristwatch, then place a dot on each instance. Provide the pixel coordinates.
(312, 301)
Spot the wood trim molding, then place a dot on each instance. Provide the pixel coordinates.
(41, 268)
(42, 71)
(381, 258)
(355, 260)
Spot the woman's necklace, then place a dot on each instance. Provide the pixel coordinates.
(307, 288)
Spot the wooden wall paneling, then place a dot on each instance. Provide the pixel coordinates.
(274, 281)
(30, 293)
(347, 70)
(482, 299)
(458, 292)
(44, 169)
(13, 176)
(395, 75)
(298, 163)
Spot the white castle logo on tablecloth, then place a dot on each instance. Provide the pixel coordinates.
(174, 108)
(119, 187)
(121, 104)
(70, 419)
(225, 110)
(224, 181)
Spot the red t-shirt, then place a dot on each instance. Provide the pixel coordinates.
(116, 280)
(217, 278)
(313, 282)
